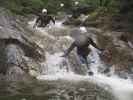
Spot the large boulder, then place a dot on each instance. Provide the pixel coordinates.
(70, 90)
(16, 45)
(120, 53)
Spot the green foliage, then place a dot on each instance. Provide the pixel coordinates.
(31, 6)
(23, 6)
(53, 6)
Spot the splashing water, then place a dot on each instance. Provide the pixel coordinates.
(121, 88)
(58, 24)
(56, 64)
(59, 68)
(83, 29)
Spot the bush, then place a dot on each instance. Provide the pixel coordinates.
(23, 6)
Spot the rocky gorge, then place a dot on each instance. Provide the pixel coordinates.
(25, 54)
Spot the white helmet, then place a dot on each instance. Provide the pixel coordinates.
(44, 10)
(62, 4)
(76, 2)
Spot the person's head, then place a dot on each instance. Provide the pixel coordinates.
(44, 11)
(62, 5)
(76, 2)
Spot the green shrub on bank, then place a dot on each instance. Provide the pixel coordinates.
(23, 6)
(33, 6)
(53, 6)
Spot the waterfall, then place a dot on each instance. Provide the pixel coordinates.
(56, 67)
(56, 64)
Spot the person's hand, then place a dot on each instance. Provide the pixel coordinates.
(63, 55)
(106, 53)
(34, 26)
(102, 50)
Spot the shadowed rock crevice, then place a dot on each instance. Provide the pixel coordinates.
(29, 48)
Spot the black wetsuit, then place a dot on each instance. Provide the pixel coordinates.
(82, 42)
(43, 20)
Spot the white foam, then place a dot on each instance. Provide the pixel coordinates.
(58, 24)
(83, 29)
(121, 88)
(70, 76)
(55, 64)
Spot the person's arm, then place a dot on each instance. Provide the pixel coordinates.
(52, 19)
(37, 20)
(66, 53)
(130, 44)
(94, 44)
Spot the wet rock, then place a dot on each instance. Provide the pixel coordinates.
(3, 65)
(8, 25)
(14, 54)
(122, 74)
(130, 76)
(16, 67)
(16, 43)
(12, 29)
(15, 73)
(118, 54)
(82, 89)
(79, 91)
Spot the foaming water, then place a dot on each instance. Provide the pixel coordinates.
(83, 29)
(121, 88)
(58, 24)
(58, 68)
(56, 64)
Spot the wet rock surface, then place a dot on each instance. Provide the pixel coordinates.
(57, 90)
(117, 52)
(15, 45)
(16, 63)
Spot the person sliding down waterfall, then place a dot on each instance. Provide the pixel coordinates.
(43, 19)
(81, 43)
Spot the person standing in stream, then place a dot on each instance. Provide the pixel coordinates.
(43, 19)
(82, 43)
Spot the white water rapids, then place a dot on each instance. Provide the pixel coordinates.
(122, 89)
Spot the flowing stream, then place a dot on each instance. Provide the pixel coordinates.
(57, 68)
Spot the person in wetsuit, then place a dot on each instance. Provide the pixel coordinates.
(43, 19)
(81, 43)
